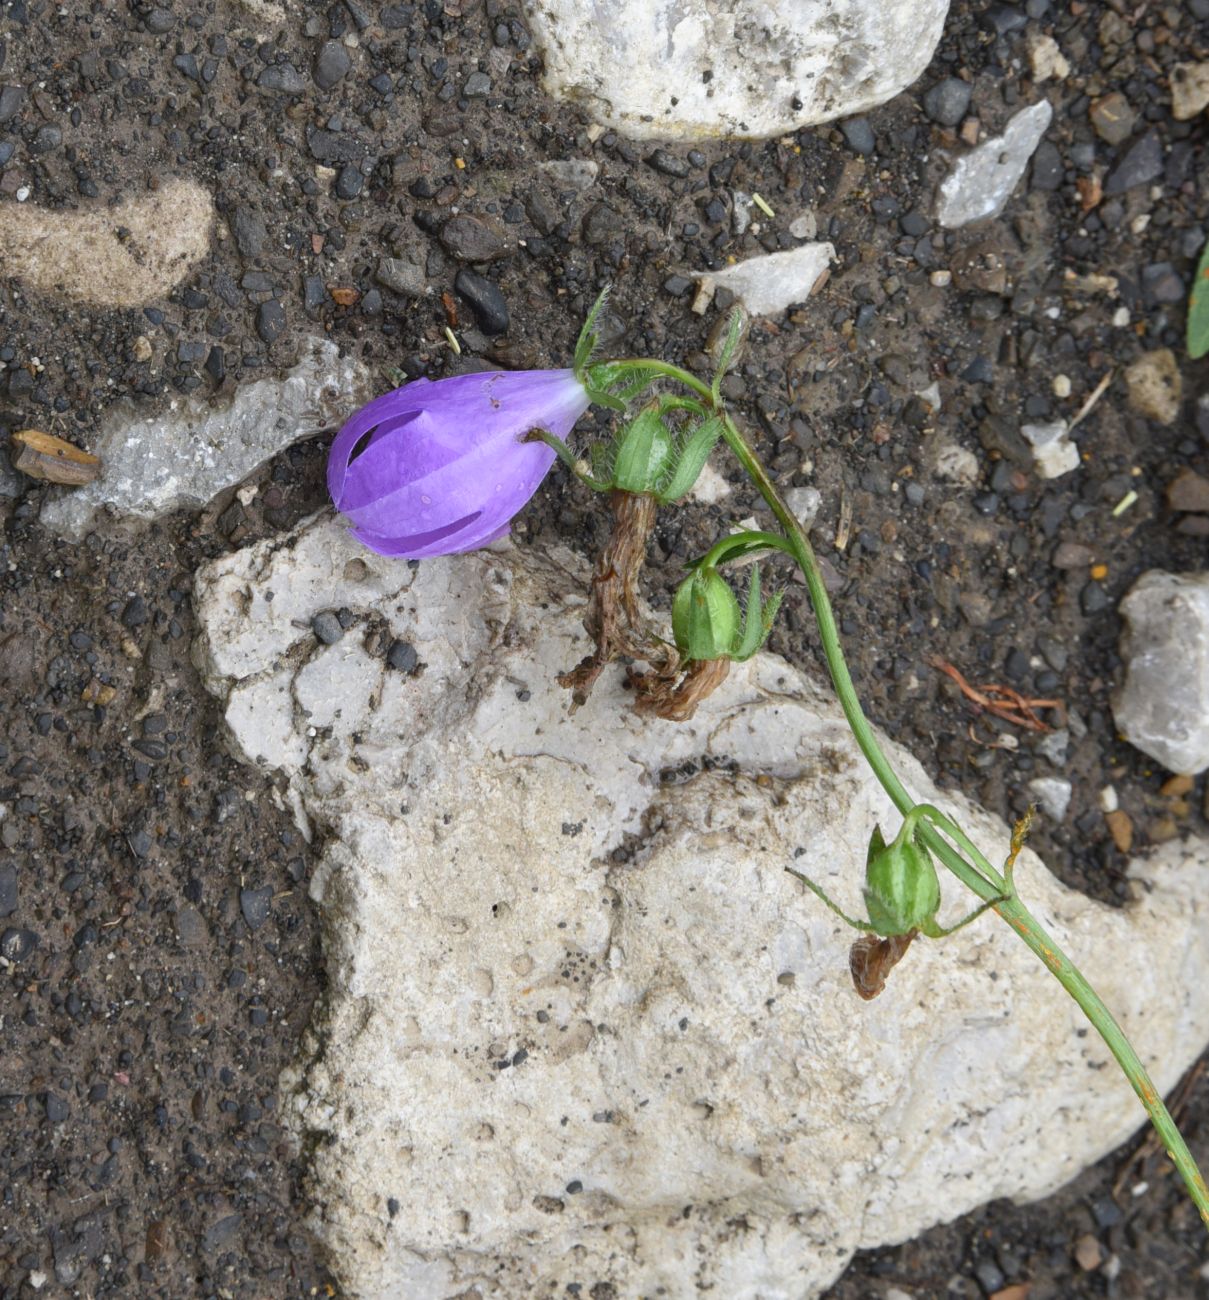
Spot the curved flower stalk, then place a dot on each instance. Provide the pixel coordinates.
(440, 468)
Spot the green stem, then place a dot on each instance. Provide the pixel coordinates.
(980, 877)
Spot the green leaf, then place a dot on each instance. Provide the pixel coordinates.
(736, 547)
(1198, 309)
(693, 454)
(586, 343)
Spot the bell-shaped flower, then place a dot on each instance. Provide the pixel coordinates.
(441, 468)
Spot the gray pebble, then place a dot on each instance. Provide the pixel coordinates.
(11, 99)
(1093, 599)
(270, 320)
(859, 136)
(947, 101)
(327, 627)
(249, 230)
(254, 904)
(160, 21)
(472, 239)
(331, 64)
(1141, 163)
(284, 78)
(17, 945)
(478, 86)
(401, 276)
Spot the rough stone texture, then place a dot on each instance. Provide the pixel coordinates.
(573, 991)
(187, 454)
(1189, 90)
(691, 69)
(78, 255)
(1154, 385)
(982, 181)
(768, 284)
(1163, 706)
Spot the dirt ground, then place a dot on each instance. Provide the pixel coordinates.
(150, 994)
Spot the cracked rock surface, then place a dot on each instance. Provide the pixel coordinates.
(188, 453)
(581, 1026)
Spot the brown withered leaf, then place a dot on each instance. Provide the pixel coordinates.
(42, 455)
(344, 297)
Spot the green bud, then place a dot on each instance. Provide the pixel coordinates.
(643, 456)
(902, 891)
(706, 619)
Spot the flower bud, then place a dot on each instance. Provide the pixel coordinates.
(902, 891)
(706, 620)
(643, 457)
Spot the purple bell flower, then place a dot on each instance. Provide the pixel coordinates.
(441, 468)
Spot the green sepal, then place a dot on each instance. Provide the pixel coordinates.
(734, 335)
(568, 458)
(902, 890)
(1198, 308)
(705, 616)
(691, 457)
(643, 456)
(758, 620)
(585, 345)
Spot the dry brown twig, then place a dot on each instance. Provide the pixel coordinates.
(1002, 701)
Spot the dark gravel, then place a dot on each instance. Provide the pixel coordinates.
(163, 950)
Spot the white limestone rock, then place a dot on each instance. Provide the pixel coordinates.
(767, 284)
(581, 1023)
(187, 454)
(1162, 708)
(699, 69)
(982, 180)
(78, 254)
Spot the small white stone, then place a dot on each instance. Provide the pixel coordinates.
(1109, 800)
(577, 174)
(710, 487)
(1061, 386)
(1054, 746)
(805, 503)
(804, 227)
(939, 279)
(768, 284)
(931, 395)
(1052, 796)
(1121, 317)
(1047, 60)
(1189, 90)
(955, 464)
(1162, 708)
(1053, 452)
(982, 181)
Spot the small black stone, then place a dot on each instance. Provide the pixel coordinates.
(326, 627)
(57, 1110)
(350, 182)
(8, 888)
(1093, 599)
(216, 365)
(677, 285)
(284, 78)
(135, 613)
(248, 227)
(490, 306)
(663, 160)
(160, 21)
(270, 320)
(402, 657)
(254, 904)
